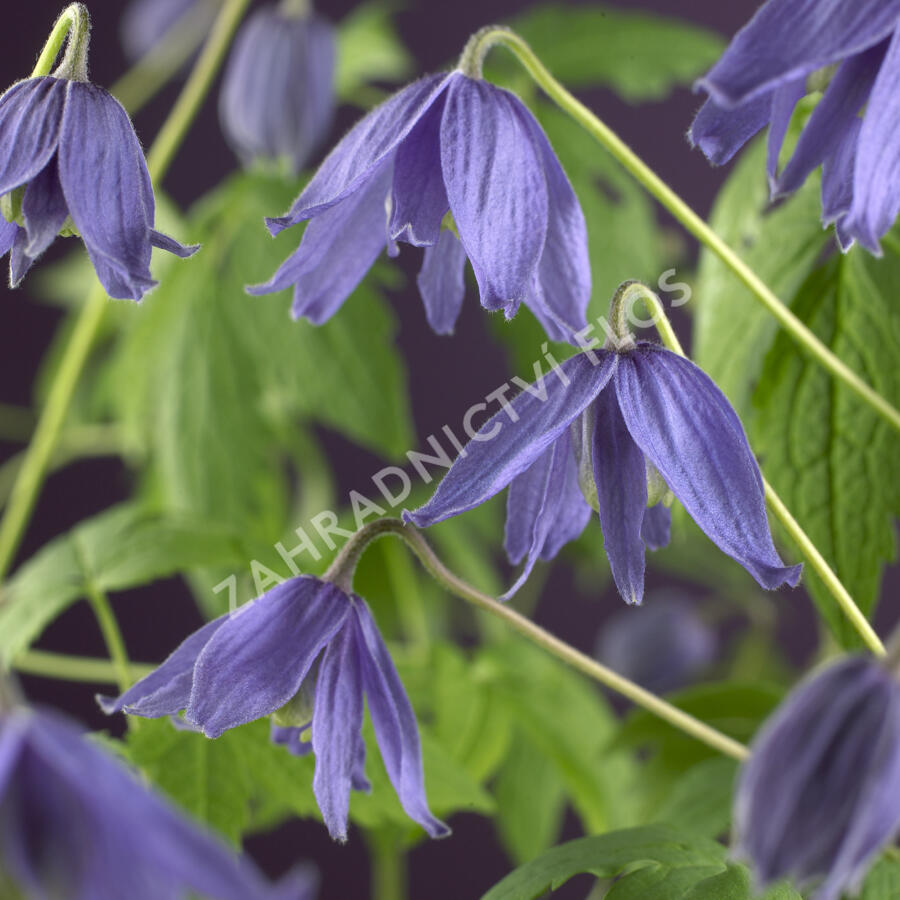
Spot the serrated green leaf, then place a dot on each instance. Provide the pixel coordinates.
(368, 49)
(120, 548)
(831, 458)
(732, 329)
(211, 380)
(206, 778)
(606, 856)
(639, 55)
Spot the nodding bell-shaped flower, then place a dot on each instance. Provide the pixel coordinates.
(70, 163)
(788, 49)
(820, 794)
(277, 99)
(146, 23)
(460, 167)
(662, 646)
(75, 824)
(644, 424)
(310, 653)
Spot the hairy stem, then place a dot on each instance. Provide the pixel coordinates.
(43, 445)
(341, 573)
(776, 504)
(74, 23)
(488, 37)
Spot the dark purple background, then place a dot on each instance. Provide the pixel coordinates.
(154, 619)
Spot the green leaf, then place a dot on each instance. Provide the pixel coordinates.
(700, 801)
(831, 458)
(640, 56)
(212, 381)
(206, 778)
(883, 881)
(569, 723)
(121, 548)
(368, 50)
(732, 329)
(732, 884)
(658, 846)
(531, 801)
(660, 882)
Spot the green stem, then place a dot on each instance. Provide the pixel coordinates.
(472, 57)
(341, 573)
(74, 668)
(195, 90)
(388, 862)
(776, 504)
(74, 23)
(43, 444)
(112, 636)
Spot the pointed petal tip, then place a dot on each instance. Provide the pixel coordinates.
(277, 224)
(109, 705)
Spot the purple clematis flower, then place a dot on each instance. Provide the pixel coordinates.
(820, 793)
(147, 22)
(261, 659)
(642, 422)
(75, 823)
(852, 133)
(277, 99)
(70, 161)
(662, 646)
(446, 143)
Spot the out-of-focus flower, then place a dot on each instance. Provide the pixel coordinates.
(820, 794)
(260, 660)
(70, 163)
(852, 133)
(76, 825)
(661, 646)
(147, 22)
(277, 99)
(642, 422)
(447, 143)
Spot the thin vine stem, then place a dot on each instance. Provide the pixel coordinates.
(470, 63)
(73, 24)
(809, 550)
(341, 573)
(46, 436)
(64, 667)
(112, 636)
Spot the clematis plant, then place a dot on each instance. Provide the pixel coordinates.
(852, 132)
(262, 659)
(70, 163)
(616, 430)
(462, 168)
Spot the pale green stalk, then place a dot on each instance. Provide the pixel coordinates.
(74, 668)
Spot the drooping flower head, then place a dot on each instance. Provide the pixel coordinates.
(616, 431)
(145, 23)
(262, 660)
(277, 99)
(460, 167)
(820, 793)
(70, 163)
(76, 825)
(773, 62)
(662, 646)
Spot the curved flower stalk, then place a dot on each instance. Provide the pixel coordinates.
(75, 823)
(449, 143)
(662, 647)
(277, 101)
(70, 163)
(305, 640)
(642, 422)
(820, 794)
(852, 133)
